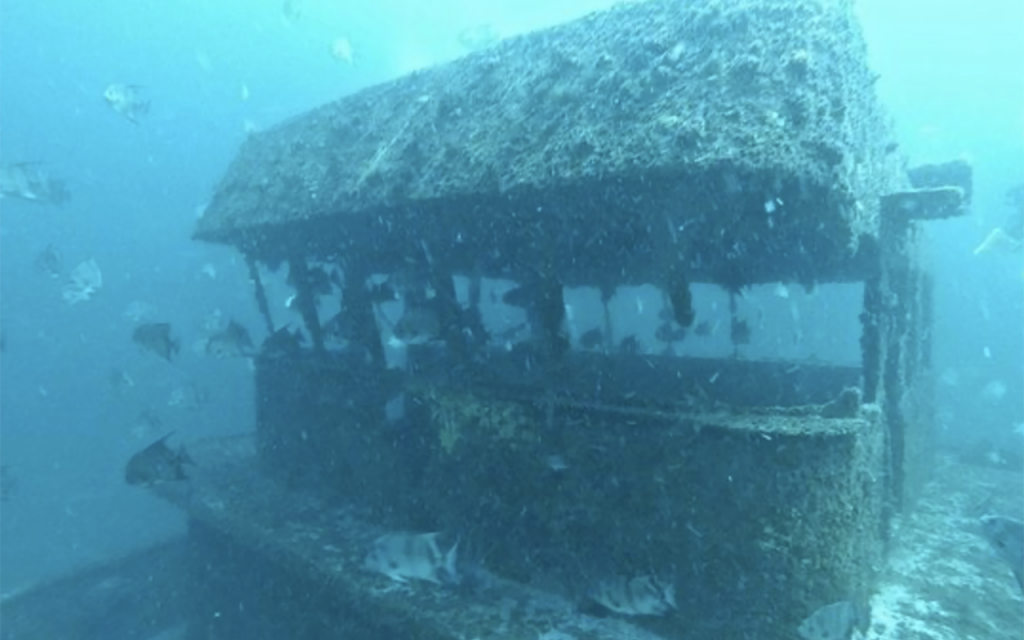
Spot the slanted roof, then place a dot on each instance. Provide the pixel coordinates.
(741, 140)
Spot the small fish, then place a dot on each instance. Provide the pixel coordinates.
(681, 301)
(292, 10)
(592, 339)
(283, 342)
(119, 382)
(341, 50)
(29, 181)
(418, 325)
(8, 482)
(836, 621)
(86, 280)
(629, 346)
(48, 262)
(233, 342)
(523, 296)
(146, 424)
(639, 596)
(127, 100)
(139, 312)
(998, 241)
(479, 37)
(670, 332)
(704, 329)
(156, 336)
(740, 332)
(1006, 536)
(404, 556)
(157, 463)
(192, 397)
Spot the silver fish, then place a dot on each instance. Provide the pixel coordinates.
(836, 621)
(418, 325)
(48, 261)
(639, 596)
(156, 464)
(405, 556)
(86, 280)
(29, 181)
(127, 100)
(1006, 536)
(233, 342)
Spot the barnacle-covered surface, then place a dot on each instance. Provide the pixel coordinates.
(313, 552)
(724, 503)
(942, 580)
(744, 136)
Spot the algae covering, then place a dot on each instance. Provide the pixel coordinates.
(585, 149)
(760, 517)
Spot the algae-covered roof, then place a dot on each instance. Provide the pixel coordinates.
(740, 138)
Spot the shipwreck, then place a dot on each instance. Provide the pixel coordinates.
(672, 145)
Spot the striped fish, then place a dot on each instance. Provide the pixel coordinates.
(639, 596)
(413, 556)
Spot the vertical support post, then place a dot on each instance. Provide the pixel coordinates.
(261, 294)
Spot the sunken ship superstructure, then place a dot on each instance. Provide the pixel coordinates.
(660, 144)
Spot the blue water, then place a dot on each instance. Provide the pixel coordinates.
(953, 80)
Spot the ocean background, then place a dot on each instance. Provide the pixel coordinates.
(953, 80)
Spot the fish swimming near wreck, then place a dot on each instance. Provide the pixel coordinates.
(29, 181)
(1006, 535)
(418, 325)
(156, 337)
(638, 596)
(837, 621)
(157, 463)
(127, 100)
(233, 342)
(416, 556)
(85, 282)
